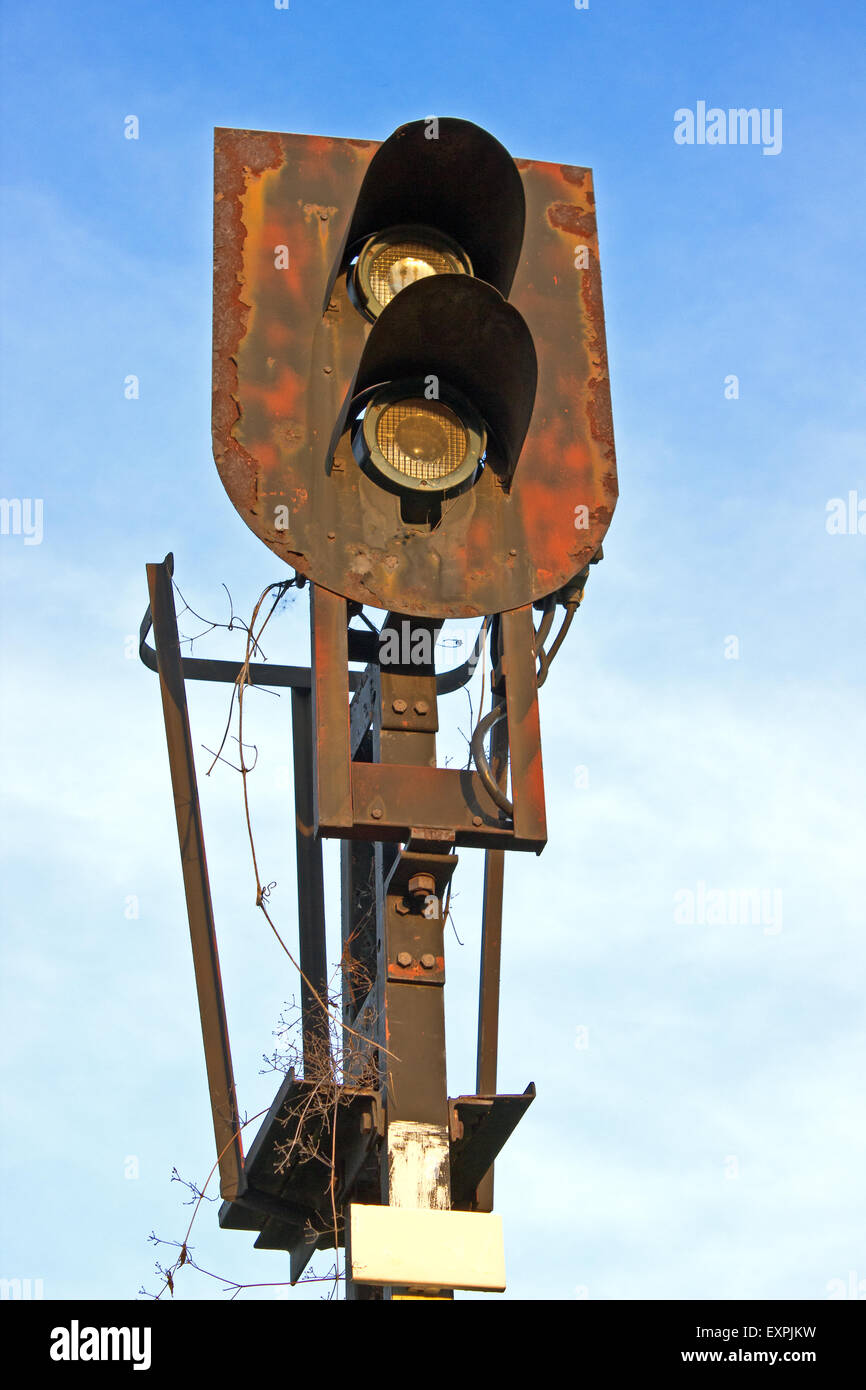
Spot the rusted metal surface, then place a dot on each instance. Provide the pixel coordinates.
(411, 711)
(524, 732)
(491, 956)
(491, 944)
(409, 714)
(394, 802)
(202, 931)
(397, 790)
(287, 343)
(331, 744)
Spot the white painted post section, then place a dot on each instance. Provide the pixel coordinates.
(419, 1171)
(419, 1165)
(416, 1242)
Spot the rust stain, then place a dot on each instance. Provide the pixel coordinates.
(598, 393)
(318, 210)
(565, 217)
(240, 158)
(576, 173)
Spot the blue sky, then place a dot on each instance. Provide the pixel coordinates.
(699, 1129)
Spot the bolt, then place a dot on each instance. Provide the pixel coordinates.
(327, 370)
(332, 535)
(376, 813)
(421, 707)
(404, 959)
(401, 907)
(476, 820)
(421, 884)
(398, 706)
(428, 961)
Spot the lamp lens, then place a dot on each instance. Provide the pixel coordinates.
(397, 258)
(422, 439)
(407, 270)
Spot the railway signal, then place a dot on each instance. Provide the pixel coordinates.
(411, 408)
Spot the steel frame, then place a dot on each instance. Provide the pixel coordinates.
(364, 772)
(386, 801)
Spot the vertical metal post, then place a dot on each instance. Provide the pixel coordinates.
(363, 1008)
(491, 957)
(524, 733)
(329, 651)
(362, 879)
(491, 954)
(311, 895)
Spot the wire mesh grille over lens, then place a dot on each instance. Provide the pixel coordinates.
(422, 439)
(401, 264)
(394, 259)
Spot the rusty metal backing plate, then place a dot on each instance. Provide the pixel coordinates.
(287, 342)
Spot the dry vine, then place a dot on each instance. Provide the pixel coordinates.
(337, 1063)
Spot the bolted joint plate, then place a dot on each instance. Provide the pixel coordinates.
(413, 917)
(408, 702)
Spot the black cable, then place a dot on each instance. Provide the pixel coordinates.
(482, 728)
(545, 658)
